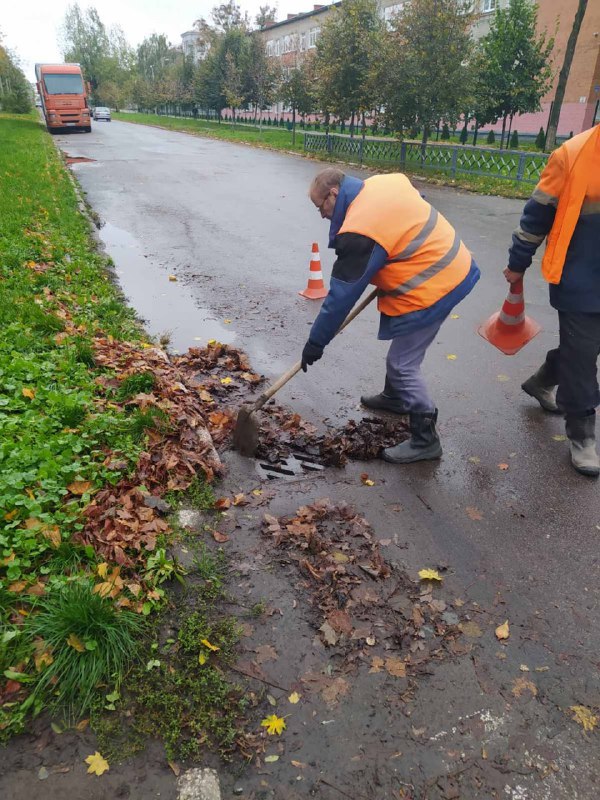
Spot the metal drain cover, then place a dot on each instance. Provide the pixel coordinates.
(288, 469)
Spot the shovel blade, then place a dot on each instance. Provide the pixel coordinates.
(245, 434)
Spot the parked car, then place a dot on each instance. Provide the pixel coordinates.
(101, 112)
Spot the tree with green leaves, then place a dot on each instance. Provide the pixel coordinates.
(154, 56)
(425, 71)
(104, 54)
(515, 62)
(297, 89)
(15, 91)
(348, 50)
(261, 74)
(267, 15)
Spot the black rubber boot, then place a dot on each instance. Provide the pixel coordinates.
(385, 401)
(541, 387)
(581, 432)
(423, 445)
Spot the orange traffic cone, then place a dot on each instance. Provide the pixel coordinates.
(315, 288)
(509, 329)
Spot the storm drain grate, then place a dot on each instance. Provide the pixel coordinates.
(288, 469)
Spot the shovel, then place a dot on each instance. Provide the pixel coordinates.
(245, 435)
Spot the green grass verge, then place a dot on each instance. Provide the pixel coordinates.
(55, 293)
(179, 690)
(281, 139)
(271, 137)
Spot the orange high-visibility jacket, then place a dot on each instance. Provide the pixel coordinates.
(426, 258)
(572, 179)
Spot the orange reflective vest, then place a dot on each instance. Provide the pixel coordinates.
(572, 176)
(426, 258)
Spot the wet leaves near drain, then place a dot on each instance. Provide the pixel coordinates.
(283, 432)
(360, 606)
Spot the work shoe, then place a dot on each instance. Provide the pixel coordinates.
(384, 402)
(581, 432)
(423, 445)
(537, 387)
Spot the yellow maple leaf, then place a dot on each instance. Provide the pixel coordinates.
(202, 659)
(11, 514)
(76, 643)
(430, 575)
(97, 764)
(451, 357)
(225, 381)
(584, 717)
(212, 341)
(210, 646)
(502, 631)
(273, 724)
(26, 392)
(101, 569)
(294, 698)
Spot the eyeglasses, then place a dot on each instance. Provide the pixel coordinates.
(320, 208)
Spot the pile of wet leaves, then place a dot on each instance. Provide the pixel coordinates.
(283, 433)
(362, 607)
(179, 409)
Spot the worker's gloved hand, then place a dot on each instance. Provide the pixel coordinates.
(310, 354)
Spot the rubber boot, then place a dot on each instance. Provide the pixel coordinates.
(581, 432)
(385, 401)
(540, 387)
(423, 445)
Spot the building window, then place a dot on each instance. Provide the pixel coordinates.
(488, 5)
(313, 35)
(302, 41)
(270, 47)
(278, 47)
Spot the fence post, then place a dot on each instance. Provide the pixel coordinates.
(521, 167)
(329, 144)
(402, 154)
(360, 150)
(453, 163)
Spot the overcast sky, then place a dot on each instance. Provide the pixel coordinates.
(31, 27)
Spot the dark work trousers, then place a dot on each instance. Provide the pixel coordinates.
(572, 365)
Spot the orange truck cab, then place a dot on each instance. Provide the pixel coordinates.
(64, 94)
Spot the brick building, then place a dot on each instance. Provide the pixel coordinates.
(289, 39)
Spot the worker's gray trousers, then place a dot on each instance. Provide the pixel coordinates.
(403, 368)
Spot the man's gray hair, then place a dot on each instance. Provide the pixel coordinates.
(325, 180)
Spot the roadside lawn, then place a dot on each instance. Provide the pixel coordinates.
(281, 139)
(97, 425)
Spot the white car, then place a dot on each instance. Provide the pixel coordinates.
(101, 112)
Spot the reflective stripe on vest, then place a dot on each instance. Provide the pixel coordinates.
(426, 258)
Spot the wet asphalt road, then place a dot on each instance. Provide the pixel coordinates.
(235, 225)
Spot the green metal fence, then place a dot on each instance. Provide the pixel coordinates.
(511, 165)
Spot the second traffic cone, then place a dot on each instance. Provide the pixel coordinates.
(315, 288)
(509, 329)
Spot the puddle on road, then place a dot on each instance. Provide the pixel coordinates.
(164, 306)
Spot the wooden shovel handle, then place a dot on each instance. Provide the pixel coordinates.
(287, 376)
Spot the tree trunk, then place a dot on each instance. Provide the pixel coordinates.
(563, 77)
(437, 131)
(509, 131)
(352, 125)
(293, 126)
(364, 126)
(503, 130)
(475, 132)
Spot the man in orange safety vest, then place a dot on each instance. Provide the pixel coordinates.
(385, 233)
